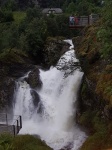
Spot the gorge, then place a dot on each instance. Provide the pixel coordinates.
(53, 116)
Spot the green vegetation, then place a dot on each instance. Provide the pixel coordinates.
(21, 142)
(29, 30)
(100, 131)
(6, 16)
(105, 31)
(19, 16)
(24, 31)
(95, 54)
(10, 56)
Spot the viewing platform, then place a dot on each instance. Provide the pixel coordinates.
(10, 125)
(82, 21)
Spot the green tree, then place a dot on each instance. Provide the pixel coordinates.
(33, 37)
(65, 5)
(10, 5)
(71, 9)
(33, 13)
(85, 7)
(9, 36)
(6, 16)
(52, 26)
(105, 32)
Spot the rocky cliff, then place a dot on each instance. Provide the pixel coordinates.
(54, 48)
(96, 94)
(15, 63)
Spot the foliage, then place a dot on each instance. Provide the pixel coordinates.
(19, 16)
(52, 27)
(105, 32)
(9, 35)
(30, 29)
(57, 25)
(6, 16)
(33, 32)
(21, 142)
(85, 8)
(32, 13)
(71, 9)
(82, 7)
(5, 142)
(100, 135)
(12, 56)
(10, 5)
(64, 6)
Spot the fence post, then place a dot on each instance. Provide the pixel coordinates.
(6, 120)
(14, 130)
(20, 122)
(17, 127)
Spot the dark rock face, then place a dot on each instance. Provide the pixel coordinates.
(40, 108)
(34, 79)
(13, 65)
(6, 92)
(54, 48)
(36, 98)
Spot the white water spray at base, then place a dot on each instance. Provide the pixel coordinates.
(55, 124)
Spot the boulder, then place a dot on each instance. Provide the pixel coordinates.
(36, 98)
(34, 79)
(54, 48)
(6, 92)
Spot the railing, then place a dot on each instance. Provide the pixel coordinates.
(83, 21)
(9, 125)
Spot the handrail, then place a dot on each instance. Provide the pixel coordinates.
(11, 125)
(82, 21)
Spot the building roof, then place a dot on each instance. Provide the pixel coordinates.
(57, 10)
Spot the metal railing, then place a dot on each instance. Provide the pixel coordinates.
(83, 21)
(10, 125)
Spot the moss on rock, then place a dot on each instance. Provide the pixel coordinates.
(54, 48)
(96, 95)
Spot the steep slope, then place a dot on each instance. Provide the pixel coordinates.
(96, 94)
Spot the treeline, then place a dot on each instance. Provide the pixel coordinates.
(30, 33)
(79, 6)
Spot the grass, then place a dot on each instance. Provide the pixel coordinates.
(19, 16)
(21, 142)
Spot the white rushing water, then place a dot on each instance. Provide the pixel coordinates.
(54, 118)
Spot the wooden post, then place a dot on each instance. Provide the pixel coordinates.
(20, 122)
(6, 120)
(14, 130)
(17, 126)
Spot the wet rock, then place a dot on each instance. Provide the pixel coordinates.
(13, 65)
(40, 108)
(6, 92)
(34, 79)
(53, 50)
(36, 98)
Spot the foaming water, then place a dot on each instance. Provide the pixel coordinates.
(54, 117)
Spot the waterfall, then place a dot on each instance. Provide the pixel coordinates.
(53, 120)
